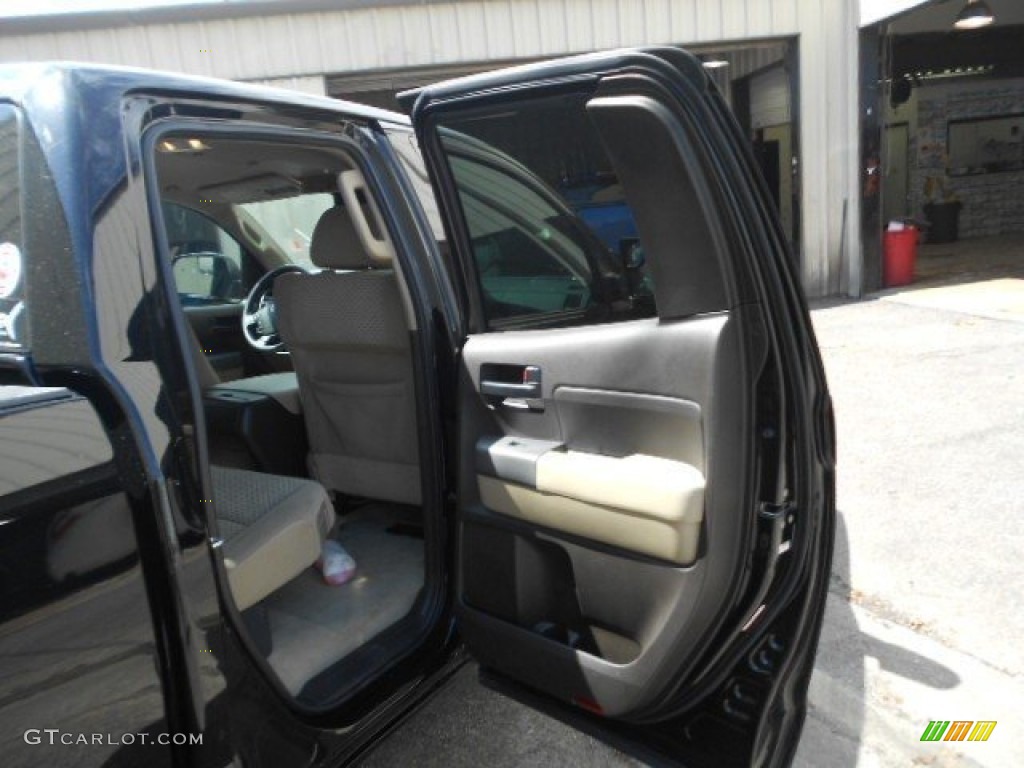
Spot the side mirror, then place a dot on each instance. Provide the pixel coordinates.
(207, 274)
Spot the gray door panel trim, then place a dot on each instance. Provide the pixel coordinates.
(637, 356)
(616, 423)
(697, 360)
(512, 458)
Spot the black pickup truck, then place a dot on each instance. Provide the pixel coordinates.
(239, 325)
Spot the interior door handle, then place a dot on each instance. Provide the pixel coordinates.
(528, 386)
(507, 389)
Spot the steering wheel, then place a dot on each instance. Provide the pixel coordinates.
(259, 315)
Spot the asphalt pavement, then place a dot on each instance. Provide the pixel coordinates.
(925, 618)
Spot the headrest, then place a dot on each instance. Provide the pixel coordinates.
(335, 243)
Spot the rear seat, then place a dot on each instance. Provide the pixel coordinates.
(273, 528)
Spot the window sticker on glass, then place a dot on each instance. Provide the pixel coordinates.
(12, 243)
(11, 306)
(10, 269)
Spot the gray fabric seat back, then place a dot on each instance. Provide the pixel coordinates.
(349, 341)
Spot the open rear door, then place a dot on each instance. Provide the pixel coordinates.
(645, 448)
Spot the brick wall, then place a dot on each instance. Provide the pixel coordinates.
(993, 203)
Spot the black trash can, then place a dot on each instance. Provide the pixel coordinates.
(943, 221)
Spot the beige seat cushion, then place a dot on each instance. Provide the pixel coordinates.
(273, 528)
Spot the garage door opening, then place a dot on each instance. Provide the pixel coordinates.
(948, 144)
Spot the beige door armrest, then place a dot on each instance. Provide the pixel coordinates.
(643, 504)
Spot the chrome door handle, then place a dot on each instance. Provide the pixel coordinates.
(528, 387)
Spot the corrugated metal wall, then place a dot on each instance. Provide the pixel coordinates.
(430, 33)
(261, 47)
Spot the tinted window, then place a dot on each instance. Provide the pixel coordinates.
(550, 230)
(531, 256)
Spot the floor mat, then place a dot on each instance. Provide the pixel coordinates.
(313, 625)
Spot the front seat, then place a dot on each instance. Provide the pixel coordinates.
(273, 528)
(346, 330)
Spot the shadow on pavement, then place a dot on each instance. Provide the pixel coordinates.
(839, 689)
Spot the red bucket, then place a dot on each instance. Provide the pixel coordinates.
(900, 253)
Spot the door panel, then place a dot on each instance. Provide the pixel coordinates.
(615, 544)
(76, 636)
(627, 470)
(603, 460)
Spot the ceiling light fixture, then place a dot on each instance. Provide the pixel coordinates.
(974, 15)
(192, 146)
(714, 62)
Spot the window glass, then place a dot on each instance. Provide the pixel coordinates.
(552, 235)
(406, 147)
(290, 222)
(529, 256)
(209, 264)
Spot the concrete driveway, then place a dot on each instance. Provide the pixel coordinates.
(925, 619)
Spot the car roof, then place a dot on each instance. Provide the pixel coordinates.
(18, 79)
(77, 124)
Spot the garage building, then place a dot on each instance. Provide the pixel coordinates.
(809, 80)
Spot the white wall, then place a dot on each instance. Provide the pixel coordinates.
(829, 122)
(433, 33)
(313, 84)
